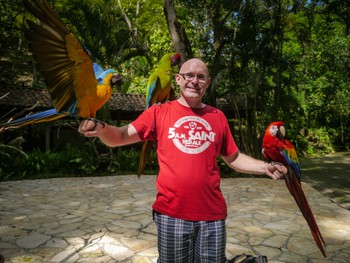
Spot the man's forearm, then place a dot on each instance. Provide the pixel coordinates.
(110, 135)
(245, 164)
(118, 136)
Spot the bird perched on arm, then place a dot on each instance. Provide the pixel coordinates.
(77, 85)
(159, 90)
(276, 148)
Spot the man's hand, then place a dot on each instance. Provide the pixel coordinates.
(91, 127)
(276, 170)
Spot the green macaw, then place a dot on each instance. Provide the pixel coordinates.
(159, 90)
(159, 83)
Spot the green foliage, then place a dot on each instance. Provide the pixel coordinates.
(269, 59)
(9, 156)
(69, 161)
(160, 45)
(317, 141)
(127, 161)
(138, 68)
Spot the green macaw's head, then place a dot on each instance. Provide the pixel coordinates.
(175, 60)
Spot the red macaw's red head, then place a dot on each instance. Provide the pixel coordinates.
(276, 129)
(175, 60)
(272, 144)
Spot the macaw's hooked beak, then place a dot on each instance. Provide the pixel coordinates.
(281, 132)
(117, 80)
(175, 60)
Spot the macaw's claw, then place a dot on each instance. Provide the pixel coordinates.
(96, 121)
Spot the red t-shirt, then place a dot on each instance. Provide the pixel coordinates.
(188, 144)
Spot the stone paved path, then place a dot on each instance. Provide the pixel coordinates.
(108, 219)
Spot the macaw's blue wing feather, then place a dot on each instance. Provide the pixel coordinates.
(43, 116)
(151, 89)
(98, 70)
(292, 160)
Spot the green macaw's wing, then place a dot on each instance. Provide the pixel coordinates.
(159, 82)
(158, 90)
(152, 91)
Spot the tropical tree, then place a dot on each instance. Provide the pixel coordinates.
(284, 59)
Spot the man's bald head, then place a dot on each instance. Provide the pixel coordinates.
(194, 65)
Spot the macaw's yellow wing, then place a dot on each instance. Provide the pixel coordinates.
(63, 61)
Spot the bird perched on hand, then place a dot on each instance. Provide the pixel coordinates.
(159, 90)
(77, 85)
(276, 148)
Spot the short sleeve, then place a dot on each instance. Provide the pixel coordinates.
(145, 124)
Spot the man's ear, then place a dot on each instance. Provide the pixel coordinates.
(208, 82)
(178, 79)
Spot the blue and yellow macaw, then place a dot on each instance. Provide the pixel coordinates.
(276, 148)
(77, 85)
(159, 90)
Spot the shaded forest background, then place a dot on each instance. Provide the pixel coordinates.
(271, 60)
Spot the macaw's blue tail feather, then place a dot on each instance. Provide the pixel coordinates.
(43, 116)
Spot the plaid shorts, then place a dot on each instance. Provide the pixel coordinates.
(183, 241)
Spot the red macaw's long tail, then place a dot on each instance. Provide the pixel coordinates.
(294, 187)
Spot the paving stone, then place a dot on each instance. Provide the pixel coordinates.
(136, 244)
(27, 259)
(109, 219)
(32, 240)
(118, 252)
(57, 243)
(276, 241)
(269, 252)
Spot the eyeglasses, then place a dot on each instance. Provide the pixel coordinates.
(191, 76)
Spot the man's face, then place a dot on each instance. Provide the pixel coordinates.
(193, 79)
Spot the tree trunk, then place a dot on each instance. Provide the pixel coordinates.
(178, 34)
(279, 36)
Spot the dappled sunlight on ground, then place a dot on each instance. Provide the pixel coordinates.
(109, 219)
(330, 175)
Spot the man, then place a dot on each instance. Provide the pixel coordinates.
(189, 210)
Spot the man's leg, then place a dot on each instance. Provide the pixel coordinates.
(210, 242)
(175, 239)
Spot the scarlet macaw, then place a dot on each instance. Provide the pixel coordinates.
(77, 85)
(276, 148)
(159, 90)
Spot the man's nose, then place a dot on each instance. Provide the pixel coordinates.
(195, 79)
